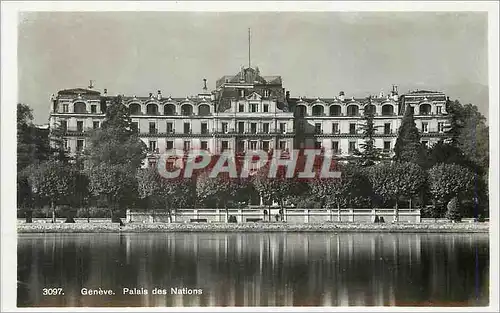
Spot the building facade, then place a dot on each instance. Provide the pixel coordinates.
(248, 111)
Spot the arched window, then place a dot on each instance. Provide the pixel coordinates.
(169, 109)
(317, 110)
(152, 109)
(335, 110)
(134, 109)
(203, 110)
(80, 107)
(187, 109)
(387, 109)
(425, 109)
(370, 109)
(301, 110)
(352, 110)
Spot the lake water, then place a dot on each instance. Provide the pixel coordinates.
(246, 269)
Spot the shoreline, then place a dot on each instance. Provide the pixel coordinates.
(253, 227)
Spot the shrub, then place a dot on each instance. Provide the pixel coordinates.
(453, 212)
(232, 219)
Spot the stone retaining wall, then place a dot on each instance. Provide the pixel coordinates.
(252, 227)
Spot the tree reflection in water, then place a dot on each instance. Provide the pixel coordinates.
(270, 269)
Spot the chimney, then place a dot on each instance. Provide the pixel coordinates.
(158, 96)
(287, 95)
(341, 96)
(204, 84)
(105, 91)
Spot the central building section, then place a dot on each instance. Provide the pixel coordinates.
(252, 113)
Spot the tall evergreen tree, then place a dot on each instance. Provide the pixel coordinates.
(408, 147)
(369, 153)
(114, 154)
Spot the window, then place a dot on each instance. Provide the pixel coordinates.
(65, 108)
(64, 125)
(439, 110)
(282, 128)
(440, 127)
(335, 128)
(225, 145)
(66, 146)
(352, 110)
(204, 145)
(241, 127)
(425, 109)
(265, 127)
(317, 110)
(240, 146)
(93, 108)
(317, 128)
(387, 128)
(170, 127)
(95, 124)
(169, 144)
(204, 128)
(135, 126)
(265, 145)
(187, 145)
(224, 127)
(317, 145)
(79, 145)
(187, 128)
(253, 128)
(253, 107)
(352, 128)
(152, 146)
(79, 126)
(253, 144)
(152, 127)
(335, 146)
(387, 146)
(352, 146)
(282, 144)
(425, 127)
(241, 107)
(266, 107)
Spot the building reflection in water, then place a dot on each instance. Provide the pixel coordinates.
(270, 269)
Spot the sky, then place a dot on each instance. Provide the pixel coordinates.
(317, 54)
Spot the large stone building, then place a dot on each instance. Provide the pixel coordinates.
(248, 111)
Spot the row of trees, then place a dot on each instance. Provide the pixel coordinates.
(109, 172)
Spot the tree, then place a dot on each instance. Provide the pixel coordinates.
(53, 182)
(392, 181)
(447, 181)
(453, 212)
(115, 182)
(114, 154)
(408, 147)
(164, 193)
(369, 153)
(473, 138)
(116, 142)
(456, 121)
(279, 188)
(32, 142)
(220, 191)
